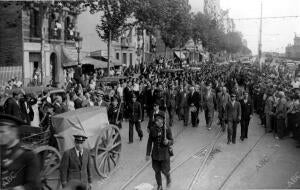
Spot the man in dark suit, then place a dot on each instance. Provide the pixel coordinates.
(26, 109)
(12, 105)
(247, 112)
(159, 141)
(184, 107)
(171, 103)
(76, 164)
(20, 168)
(193, 101)
(209, 106)
(150, 99)
(222, 100)
(135, 118)
(233, 117)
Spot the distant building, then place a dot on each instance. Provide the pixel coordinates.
(293, 51)
(126, 51)
(21, 47)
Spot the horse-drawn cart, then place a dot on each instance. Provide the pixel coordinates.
(104, 141)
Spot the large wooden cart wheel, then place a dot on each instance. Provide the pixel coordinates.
(107, 150)
(49, 161)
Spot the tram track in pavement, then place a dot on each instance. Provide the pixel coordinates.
(237, 166)
(194, 155)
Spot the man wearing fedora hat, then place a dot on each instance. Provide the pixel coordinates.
(20, 168)
(76, 163)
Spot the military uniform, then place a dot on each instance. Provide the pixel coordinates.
(160, 152)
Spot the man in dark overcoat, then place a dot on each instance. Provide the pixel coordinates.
(76, 164)
(135, 118)
(247, 112)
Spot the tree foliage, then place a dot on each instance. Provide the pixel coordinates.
(171, 17)
(115, 15)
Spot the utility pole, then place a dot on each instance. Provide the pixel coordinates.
(260, 40)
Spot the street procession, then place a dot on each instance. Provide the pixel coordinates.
(149, 95)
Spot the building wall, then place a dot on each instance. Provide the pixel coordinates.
(10, 36)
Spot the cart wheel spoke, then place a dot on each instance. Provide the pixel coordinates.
(108, 149)
(112, 159)
(115, 145)
(115, 152)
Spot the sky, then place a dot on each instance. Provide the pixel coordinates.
(276, 33)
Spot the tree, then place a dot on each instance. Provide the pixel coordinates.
(175, 23)
(113, 21)
(233, 42)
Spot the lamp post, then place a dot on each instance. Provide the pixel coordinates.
(78, 45)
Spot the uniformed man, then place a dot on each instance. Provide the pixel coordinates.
(76, 164)
(159, 142)
(19, 167)
(135, 118)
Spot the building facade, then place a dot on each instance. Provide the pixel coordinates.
(30, 51)
(126, 50)
(293, 51)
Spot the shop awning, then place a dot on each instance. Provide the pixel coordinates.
(179, 54)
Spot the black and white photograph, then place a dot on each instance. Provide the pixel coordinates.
(149, 94)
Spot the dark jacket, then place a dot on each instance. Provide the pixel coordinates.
(247, 109)
(71, 169)
(135, 111)
(194, 99)
(233, 112)
(27, 113)
(155, 143)
(209, 102)
(24, 170)
(12, 108)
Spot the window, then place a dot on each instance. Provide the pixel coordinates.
(117, 56)
(124, 58)
(34, 23)
(130, 58)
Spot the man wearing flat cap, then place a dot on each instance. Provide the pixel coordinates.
(76, 164)
(20, 169)
(159, 142)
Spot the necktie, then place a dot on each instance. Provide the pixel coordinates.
(80, 157)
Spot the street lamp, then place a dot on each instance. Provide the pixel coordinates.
(78, 45)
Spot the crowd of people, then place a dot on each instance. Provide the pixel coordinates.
(235, 92)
